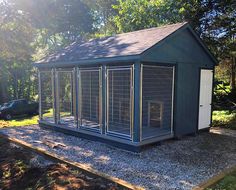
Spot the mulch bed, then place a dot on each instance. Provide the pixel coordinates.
(17, 172)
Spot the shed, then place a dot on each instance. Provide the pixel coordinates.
(131, 89)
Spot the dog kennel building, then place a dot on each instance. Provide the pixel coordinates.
(130, 89)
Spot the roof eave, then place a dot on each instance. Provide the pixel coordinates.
(107, 60)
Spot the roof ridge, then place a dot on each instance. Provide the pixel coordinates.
(153, 28)
(142, 30)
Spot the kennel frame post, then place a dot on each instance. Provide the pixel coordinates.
(103, 99)
(137, 106)
(40, 96)
(54, 89)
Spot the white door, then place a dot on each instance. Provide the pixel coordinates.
(205, 100)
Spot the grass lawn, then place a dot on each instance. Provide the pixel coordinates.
(225, 119)
(227, 183)
(24, 120)
(21, 121)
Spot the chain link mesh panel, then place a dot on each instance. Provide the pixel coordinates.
(65, 98)
(90, 98)
(46, 94)
(157, 100)
(119, 101)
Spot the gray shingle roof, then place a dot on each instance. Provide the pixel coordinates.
(132, 43)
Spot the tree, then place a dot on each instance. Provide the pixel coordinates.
(29, 30)
(139, 14)
(16, 35)
(103, 14)
(58, 22)
(222, 36)
(213, 20)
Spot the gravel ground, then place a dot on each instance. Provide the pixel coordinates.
(173, 165)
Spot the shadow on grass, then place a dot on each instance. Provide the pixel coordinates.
(23, 117)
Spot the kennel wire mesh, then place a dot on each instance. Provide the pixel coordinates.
(90, 98)
(65, 93)
(157, 100)
(119, 101)
(46, 96)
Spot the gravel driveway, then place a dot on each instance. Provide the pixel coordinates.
(173, 165)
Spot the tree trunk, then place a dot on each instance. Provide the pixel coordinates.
(233, 74)
(3, 81)
(3, 94)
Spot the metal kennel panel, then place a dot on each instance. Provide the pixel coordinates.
(120, 101)
(90, 98)
(157, 100)
(46, 88)
(65, 97)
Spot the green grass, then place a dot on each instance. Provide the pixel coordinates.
(24, 120)
(17, 122)
(224, 119)
(27, 120)
(227, 183)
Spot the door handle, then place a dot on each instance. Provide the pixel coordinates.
(201, 105)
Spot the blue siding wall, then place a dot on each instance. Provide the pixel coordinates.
(185, 51)
(181, 47)
(186, 100)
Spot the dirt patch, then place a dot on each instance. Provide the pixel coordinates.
(18, 173)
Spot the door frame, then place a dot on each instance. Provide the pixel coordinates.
(108, 132)
(79, 99)
(212, 94)
(57, 95)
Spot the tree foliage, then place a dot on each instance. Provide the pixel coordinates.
(29, 30)
(213, 20)
(140, 14)
(16, 34)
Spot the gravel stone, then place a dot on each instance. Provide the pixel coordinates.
(39, 161)
(175, 164)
